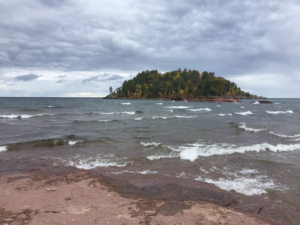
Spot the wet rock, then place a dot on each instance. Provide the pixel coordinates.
(15, 223)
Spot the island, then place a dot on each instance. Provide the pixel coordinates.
(180, 85)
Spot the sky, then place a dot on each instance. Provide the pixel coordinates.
(79, 48)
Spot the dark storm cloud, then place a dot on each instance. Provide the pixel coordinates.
(228, 37)
(100, 78)
(27, 77)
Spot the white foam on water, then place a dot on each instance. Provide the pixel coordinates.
(186, 117)
(154, 157)
(201, 109)
(138, 118)
(72, 142)
(160, 117)
(173, 101)
(229, 114)
(242, 107)
(3, 148)
(23, 116)
(221, 114)
(160, 103)
(171, 110)
(104, 121)
(218, 106)
(92, 163)
(192, 151)
(126, 103)
(244, 113)
(256, 103)
(150, 144)
(248, 171)
(245, 185)
(279, 112)
(178, 107)
(276, 103)
(244, 127)
(50, 106)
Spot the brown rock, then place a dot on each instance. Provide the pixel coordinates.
(8, 220)
(26, 221)
(12, 216)
(51, 189)
(23, 216)
(15, 223)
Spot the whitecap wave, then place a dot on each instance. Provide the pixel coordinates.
(242, 107)
(178, 107)
(126, 103)
(201, 109)
(160, 103)
(192, 151)
(51, 106)
(218, 105)
(279, 112)
(140, 172)
(295, 137)
(170, 117)
(3, 148)
(256, 103)
(162, 156)
(150, 144)
(244, 113)
(73, 142)
(244, 127)
(139, 118)
(104, 121)
(221, 114)
(246, 185)
(23, 116)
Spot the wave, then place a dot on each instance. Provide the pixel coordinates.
(221, 114)
(105, 121)
(138, 118)
(154, 157)
(160, 103)
(201, 109)
(179, 107)
(256, 103)
(248, 185)
(192, 151)
(23, 116)
(244, 113)
(51, 106)
(91, 163)
(150, 144)
(218, 105)
(279, 112)
(170, 117)
(295, 137)
(3, 148)
(126, 103)
(73, 142)
(242, 107)
(244, 127)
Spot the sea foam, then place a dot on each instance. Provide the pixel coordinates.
(3, 148)
(244, 113)
(279, 112)
(201, 109)
(126, 103)
(178, 107)
(23, 116)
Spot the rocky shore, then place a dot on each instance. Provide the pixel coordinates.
(66, 195)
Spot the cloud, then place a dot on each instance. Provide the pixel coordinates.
(99, 78)
(232, 38)
(27, 77)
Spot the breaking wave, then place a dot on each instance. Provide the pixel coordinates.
(178, 107)
(201, 109)
(244, 127)
(279, 112)
(126, 103)
(3, 148)
(244, 113)
(24, 116)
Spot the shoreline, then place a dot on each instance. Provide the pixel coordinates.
(67, 195)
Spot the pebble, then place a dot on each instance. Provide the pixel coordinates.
(26, 221)
(12, 216)
(51, 189)
(8, 220)
(23, 216)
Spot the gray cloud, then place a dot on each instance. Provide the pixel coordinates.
(99, 78)
(27, 77)
(232, 38)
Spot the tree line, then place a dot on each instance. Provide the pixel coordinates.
(178, 83)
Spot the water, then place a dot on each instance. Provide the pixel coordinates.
(249, 148)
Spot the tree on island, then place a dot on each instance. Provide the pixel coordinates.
(178, 84)
(111, 89)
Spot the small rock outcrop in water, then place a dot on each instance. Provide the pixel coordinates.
(264, 102)
(112, 96)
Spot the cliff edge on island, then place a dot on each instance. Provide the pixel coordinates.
(180, 85)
